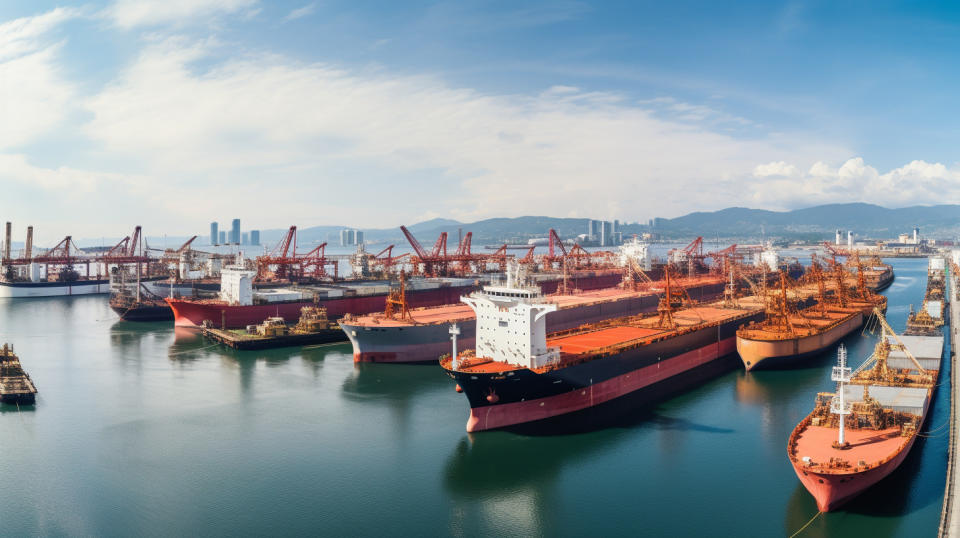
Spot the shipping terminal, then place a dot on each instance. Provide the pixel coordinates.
(550, 342)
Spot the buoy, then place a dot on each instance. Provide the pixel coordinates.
(458, 388)
(493, 398)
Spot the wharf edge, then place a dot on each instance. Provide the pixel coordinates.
(950, 515)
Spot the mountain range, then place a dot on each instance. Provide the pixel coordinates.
(735, 223)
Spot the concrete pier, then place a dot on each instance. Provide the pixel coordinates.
(950, 517)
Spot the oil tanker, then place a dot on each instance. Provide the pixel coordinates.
(240, 304)
(860, 434)
(517, 377)
(421, 335)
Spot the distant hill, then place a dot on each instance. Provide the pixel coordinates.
(736, 223)
(863, 219)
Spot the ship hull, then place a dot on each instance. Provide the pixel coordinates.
(831, 491)
(880, 282)
(642, 374)
(144, 312)
(428, 342)
(189, 313)
(54, 289)
(771, 354)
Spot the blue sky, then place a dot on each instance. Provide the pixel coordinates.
(177, 112)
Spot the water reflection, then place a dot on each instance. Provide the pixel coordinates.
(188, 345)
(13, 408)
(128, 336)
(502, 483)
(398, 387)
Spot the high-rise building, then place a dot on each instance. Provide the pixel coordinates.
(235, 232)
(213, 233)
(223, 237)
(350, 237)
(245, 238)
(255, 238)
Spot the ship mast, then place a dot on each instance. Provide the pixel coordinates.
(839, 406)
(454, 332)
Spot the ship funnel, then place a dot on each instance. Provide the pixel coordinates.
(6, 243)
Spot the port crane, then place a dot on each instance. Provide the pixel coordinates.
(283, 262)
(439, 262)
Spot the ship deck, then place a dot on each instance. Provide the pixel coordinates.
(872, 447)
(808, 322)
(460, 311)
(609, 337)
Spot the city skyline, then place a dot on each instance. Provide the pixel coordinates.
(157, 113)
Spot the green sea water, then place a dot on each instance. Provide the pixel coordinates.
(141, 430)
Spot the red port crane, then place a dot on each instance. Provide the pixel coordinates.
(282, 263)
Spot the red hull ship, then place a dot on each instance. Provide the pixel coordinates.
(858, 436)
(344, 298)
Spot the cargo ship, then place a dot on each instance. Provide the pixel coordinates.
(239, 304)
(788, 335)
(860, 434)
(16, 387)
(878, 276)
(54, 288)
(517, 377)
(403, 335)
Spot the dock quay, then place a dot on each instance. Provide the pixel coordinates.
(950, 515)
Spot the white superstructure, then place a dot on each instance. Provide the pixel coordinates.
(511, 323)
(236, 286)
(636, 250)
(768, 257)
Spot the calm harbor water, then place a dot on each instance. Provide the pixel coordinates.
(142, 430)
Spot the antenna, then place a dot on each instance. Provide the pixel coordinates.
(838, 406)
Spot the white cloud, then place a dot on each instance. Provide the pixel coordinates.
(134, 13)
(301, 12)
(34, 96)
(233, 133)
(16, 167)
(252, 123)
(27, 34)
(917, 183)
(776, 169)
